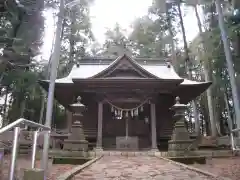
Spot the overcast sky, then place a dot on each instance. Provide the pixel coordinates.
(106, 13)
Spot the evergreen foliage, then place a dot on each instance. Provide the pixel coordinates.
(151, 36)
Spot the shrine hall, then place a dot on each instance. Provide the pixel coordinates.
(126, 99)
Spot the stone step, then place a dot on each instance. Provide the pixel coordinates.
(123, 153)
(25, 148)
(65, 153)
(167, 133)
(199, 153)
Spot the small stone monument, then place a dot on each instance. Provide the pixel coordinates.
(180, 139)
(36, 174)
(76, 141)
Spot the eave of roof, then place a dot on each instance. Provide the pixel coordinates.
(123, 80)
(68, 81)
(187, 91)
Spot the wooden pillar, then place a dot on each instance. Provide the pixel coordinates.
(100, 127)
(153, 126)
(69, 120)
(126, 127)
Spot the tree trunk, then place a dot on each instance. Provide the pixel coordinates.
(72, 42)
(207, 78)
(230, 120)
(22, 108)
(42, 107)
(236, 3)
(5, 108)
(173, 48)
(188, 67)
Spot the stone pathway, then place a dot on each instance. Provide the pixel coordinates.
(137, 168)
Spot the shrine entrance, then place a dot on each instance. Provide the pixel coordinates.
(127, 125)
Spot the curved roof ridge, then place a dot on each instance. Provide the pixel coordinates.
(129, 58)
(109, 66)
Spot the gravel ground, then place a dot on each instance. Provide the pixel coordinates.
(223, 167)
(25, 162)
(137, 168)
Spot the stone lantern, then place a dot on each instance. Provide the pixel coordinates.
(76, 141)
(180, 139)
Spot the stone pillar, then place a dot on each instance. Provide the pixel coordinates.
(153, 127)
(36, 174)
(100, 127)
(69, 120)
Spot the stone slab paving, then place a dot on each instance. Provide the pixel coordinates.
(25, 162)
(228, 167)
(137, 168)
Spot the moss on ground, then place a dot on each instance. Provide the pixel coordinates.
(70, 160)
(190, 160)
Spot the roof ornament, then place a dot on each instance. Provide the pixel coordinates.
(177, 100)
(79, 98)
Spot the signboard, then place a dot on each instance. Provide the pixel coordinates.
(127, 143)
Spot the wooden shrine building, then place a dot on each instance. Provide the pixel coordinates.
(126, 98)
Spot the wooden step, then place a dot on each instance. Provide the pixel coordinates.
(90, 133)
(165, 133)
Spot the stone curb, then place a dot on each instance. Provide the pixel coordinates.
(191, 168)
(68, 175)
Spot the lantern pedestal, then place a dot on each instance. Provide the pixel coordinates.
(180, 139)
(76, 141)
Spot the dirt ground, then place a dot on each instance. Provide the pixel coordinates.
(25, 162)
(223, 167)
